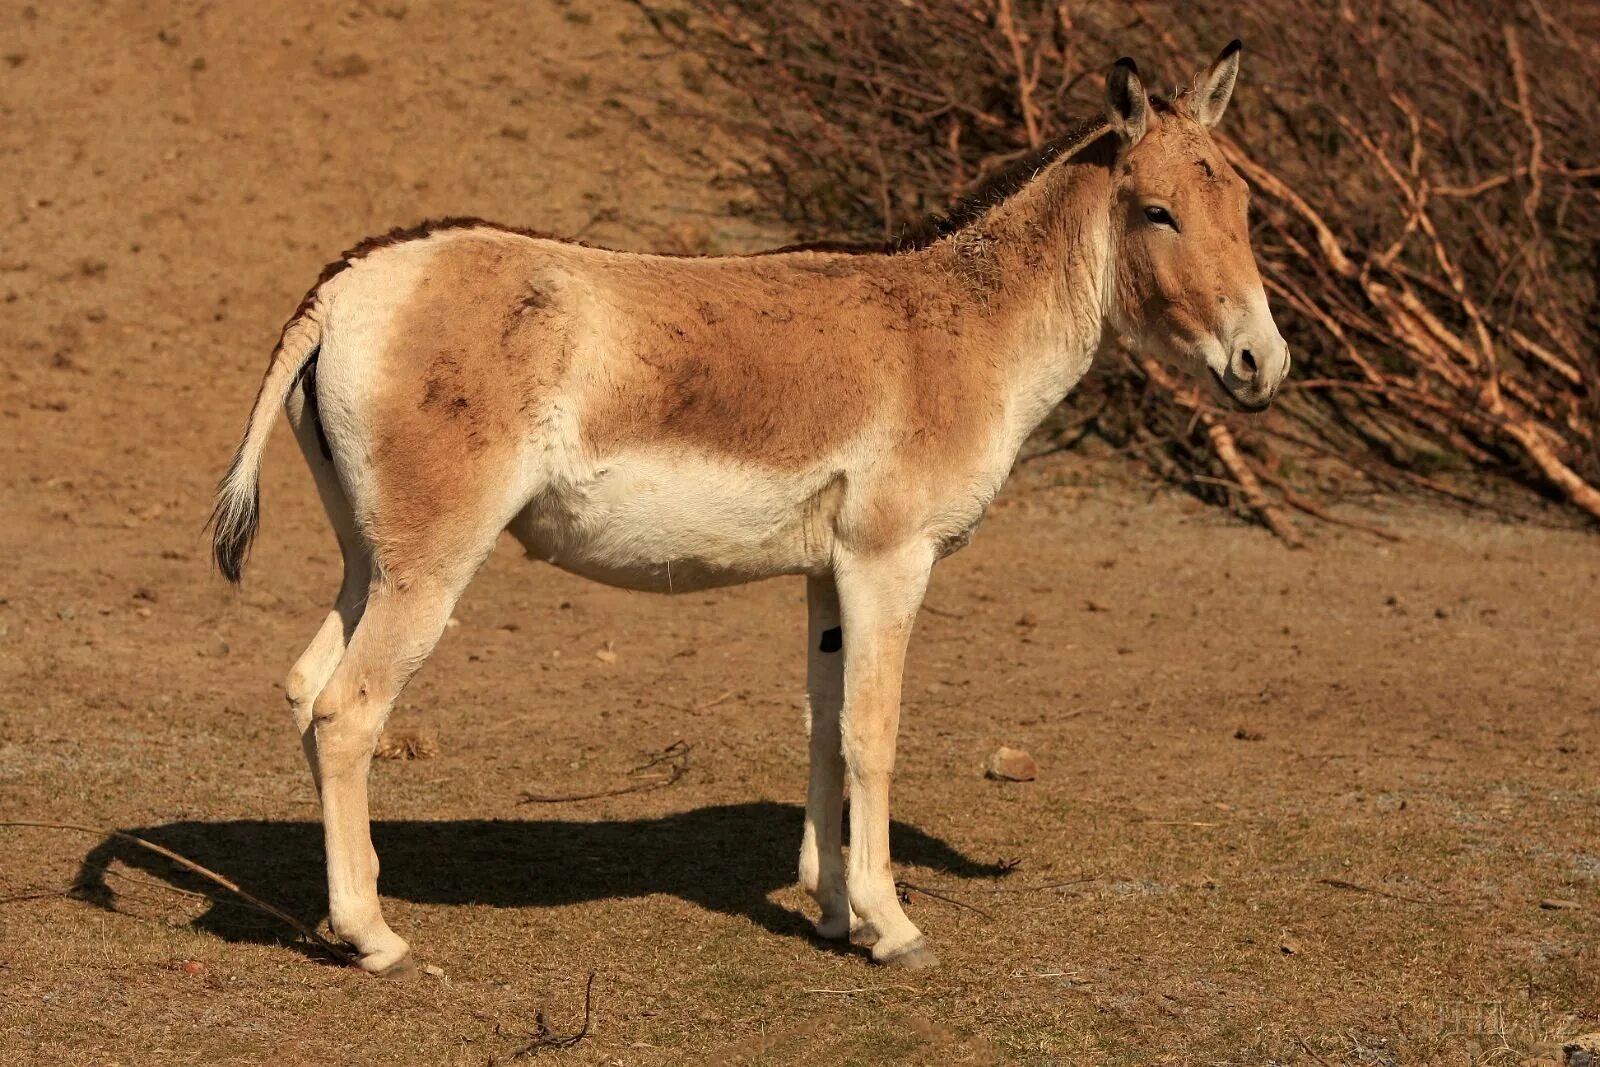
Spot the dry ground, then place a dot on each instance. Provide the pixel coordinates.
(1294, 806)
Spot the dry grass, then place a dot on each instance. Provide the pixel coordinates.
(407, 744)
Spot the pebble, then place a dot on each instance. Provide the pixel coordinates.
(1582, 1051)
(1011, 765)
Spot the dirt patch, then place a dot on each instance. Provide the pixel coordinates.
(1286, 801)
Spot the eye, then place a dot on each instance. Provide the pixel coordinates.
(1160, 216)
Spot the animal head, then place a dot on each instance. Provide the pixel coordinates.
(1185, 284)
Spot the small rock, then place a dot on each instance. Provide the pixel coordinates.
(193, 967)
(1241, 734)
(347, 66)
(452, 623)
(1011, 765)
(1289, 947)
(64, 613)
(1559, 904)
(606, 655)
(1027, 620)
(1582, 1051)
(433, 970)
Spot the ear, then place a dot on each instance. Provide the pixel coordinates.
(1127, 106)
(1214, 88)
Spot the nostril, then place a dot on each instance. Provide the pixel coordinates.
(1248, 360)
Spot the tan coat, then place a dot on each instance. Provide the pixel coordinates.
(674, 423)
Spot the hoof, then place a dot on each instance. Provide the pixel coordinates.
(833, 928)
(404, 967)
(916, 956)
(864, 934)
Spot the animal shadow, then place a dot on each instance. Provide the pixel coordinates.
(727, 859)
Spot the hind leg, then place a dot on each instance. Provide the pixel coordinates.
(821, 847)
(396, 633)
(316, 664)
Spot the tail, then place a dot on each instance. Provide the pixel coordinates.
(238, 509)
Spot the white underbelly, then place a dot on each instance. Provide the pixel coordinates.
(671, 523)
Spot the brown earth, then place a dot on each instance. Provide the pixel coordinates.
(1335, 806)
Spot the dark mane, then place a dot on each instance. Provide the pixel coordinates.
(1002, 184)
(991, 190)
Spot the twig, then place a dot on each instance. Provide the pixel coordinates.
(545, 1039)
(36, 893)
(1222, 443)
(677, 754)
(1487, 184)
(1227, 452)
(714, 701)
(1295, 500)
(153, 884)
(1519, 72)
(336, 951)
(907, 887)
(1025, 84)
(1311, 1052)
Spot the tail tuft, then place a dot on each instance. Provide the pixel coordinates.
(238, 509)
(236, 517)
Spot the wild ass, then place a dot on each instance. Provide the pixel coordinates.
(677, 423)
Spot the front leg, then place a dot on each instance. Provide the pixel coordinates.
(821, 845)
(879, 597)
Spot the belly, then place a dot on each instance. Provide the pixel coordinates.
(675, 524)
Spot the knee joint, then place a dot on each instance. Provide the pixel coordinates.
(340, 705)
(299, 689)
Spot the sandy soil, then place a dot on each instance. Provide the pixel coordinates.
(1334, 806)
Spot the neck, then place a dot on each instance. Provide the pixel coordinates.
(1038, 264)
